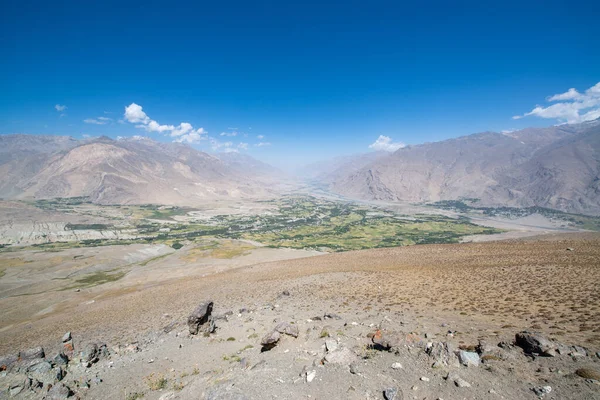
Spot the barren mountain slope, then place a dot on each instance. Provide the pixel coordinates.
(564, 175)
(128, 171)
(550, 167)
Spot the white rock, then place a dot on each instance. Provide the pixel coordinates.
(310, 375)
(397, 365)
(425, 379)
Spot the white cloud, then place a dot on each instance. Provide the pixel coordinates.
(262, 144)
(230, 150)
(260, 137)
(570, 94)
(384, 143)
(94, 121)
(104, 119)
(60, 107)
(182, 133)
(243, 146)
(192, 137)
(229, 133)
(570, 107)
(216, 145)
(135, 114)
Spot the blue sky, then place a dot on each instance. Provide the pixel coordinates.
(314, 79)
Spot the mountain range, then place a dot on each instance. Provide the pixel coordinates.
(125, 171)
(556, 167)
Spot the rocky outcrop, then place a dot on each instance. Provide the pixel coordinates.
(201, 316)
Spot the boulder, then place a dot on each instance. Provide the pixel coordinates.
(442, 354)
(288, 329)
(341, 356)
(200, 316)
(68, 349)
(468, 358)
(7, 362)
(90, 354)
(385, 340)
(270, 340)
(392, 393)
(30, 357)
(59, 392)
(331, 345)
(535, 343)
(66, 337)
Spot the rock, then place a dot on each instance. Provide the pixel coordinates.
(442, 354)
(66, 337)
(461, 383)
(199, 316)
(41, 367)
(285, 293)
(270, 340)
(7, 362)
(30, 357)
(89, 355)
(331, 345)
(468, 358)
(589, 373)
(425, 379)
(354, 368)
(535, 343)
(392, 393)
(15, 390)
(542, 390)
(396, 365)
(570, 249)
(59, 392)
(458, 381)
(68, 349)
(578, 351)
(60, 359)
(310, 375)
(288, 329)
(341, 356)
(385, 340)
(331, 316)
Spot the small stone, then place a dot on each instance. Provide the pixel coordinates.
(425, 379)
(542, 390)
(354, 369)
(331, 345)
(468, 358)
(288, 329)
(396, 365)
(66, 337)
(341, 356)
(285, 293)
(60, 359)
(89, 355)
(68, 349)
(270, 340)
(570, 249)
(392, 394)
(310, 375)
(58, 392)
(15, 390)
(461, 383)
